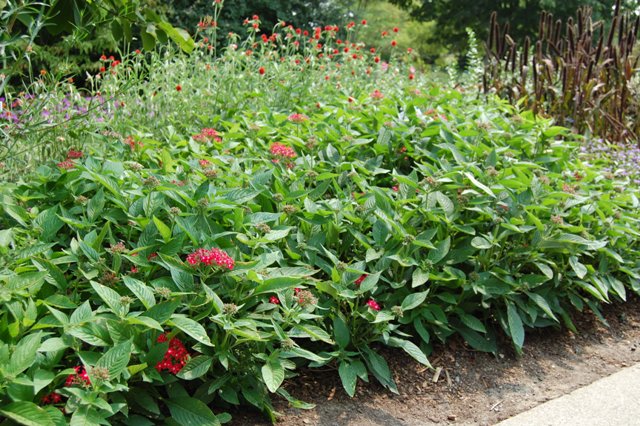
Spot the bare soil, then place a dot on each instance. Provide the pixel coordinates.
(472, 388)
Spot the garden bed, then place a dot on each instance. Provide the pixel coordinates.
(473, 388)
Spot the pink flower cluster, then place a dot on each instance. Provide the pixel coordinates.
(376, 94)
(80, 377)
(210, 257)
(373, 305)
(297, 118)
(281, 150)
(207, 135)
(176, 356)
(66, 164)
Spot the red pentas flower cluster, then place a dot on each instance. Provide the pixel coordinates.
(80, 377)
(68, 162)
(51, 398)
(176, 356)
(297, 118)
(210, 257)
(207, 135)
(282, 152)
(373, 305)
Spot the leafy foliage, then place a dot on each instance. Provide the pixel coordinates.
(235, 217)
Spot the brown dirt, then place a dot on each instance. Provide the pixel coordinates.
(472, 388)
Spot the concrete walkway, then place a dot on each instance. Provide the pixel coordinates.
(614, 400)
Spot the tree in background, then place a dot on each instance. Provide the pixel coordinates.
(300, 13)
(452, 17)
(66, 37)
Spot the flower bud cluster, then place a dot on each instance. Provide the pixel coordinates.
(211, 257)
(176, 356)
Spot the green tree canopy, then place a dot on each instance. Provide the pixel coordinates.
(300, 13)
(453, 16)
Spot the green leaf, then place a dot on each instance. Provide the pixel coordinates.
(146, 321)
(445, 203)
(162, 311)
(545, 269)
(196, 367)
(178, 36)
(27, 413)
(580, 270)
(410, 348)
(314, 332)
(273, 284)
(380, 369)
(164, 230)
(473, 323)
(41, 379)
(440, 252)
(476, 340)
(348, 377)
(481, 243)
(542, 303)
(419, 277)
(188, 411)
(413, 300)
(141, 291)
(110, 297)
(479, 185)
(516, 329)
(116, 359)
(24, 354)
(273, 374)
(341, 332)
(191, 328)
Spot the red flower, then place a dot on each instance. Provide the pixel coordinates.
(274, 300)
(261, 70)
(360, 279)
(72, 154)
(66, 164)
(178, 88)
(51, 398)
(394, 43)
(176, 356)
(411, 76)
(103, 57)
(395, 29)
(207, 135)
(79, 378)
(364, 22)
(297, 118)
(376, 94)
(209, 257)
(373, 305)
